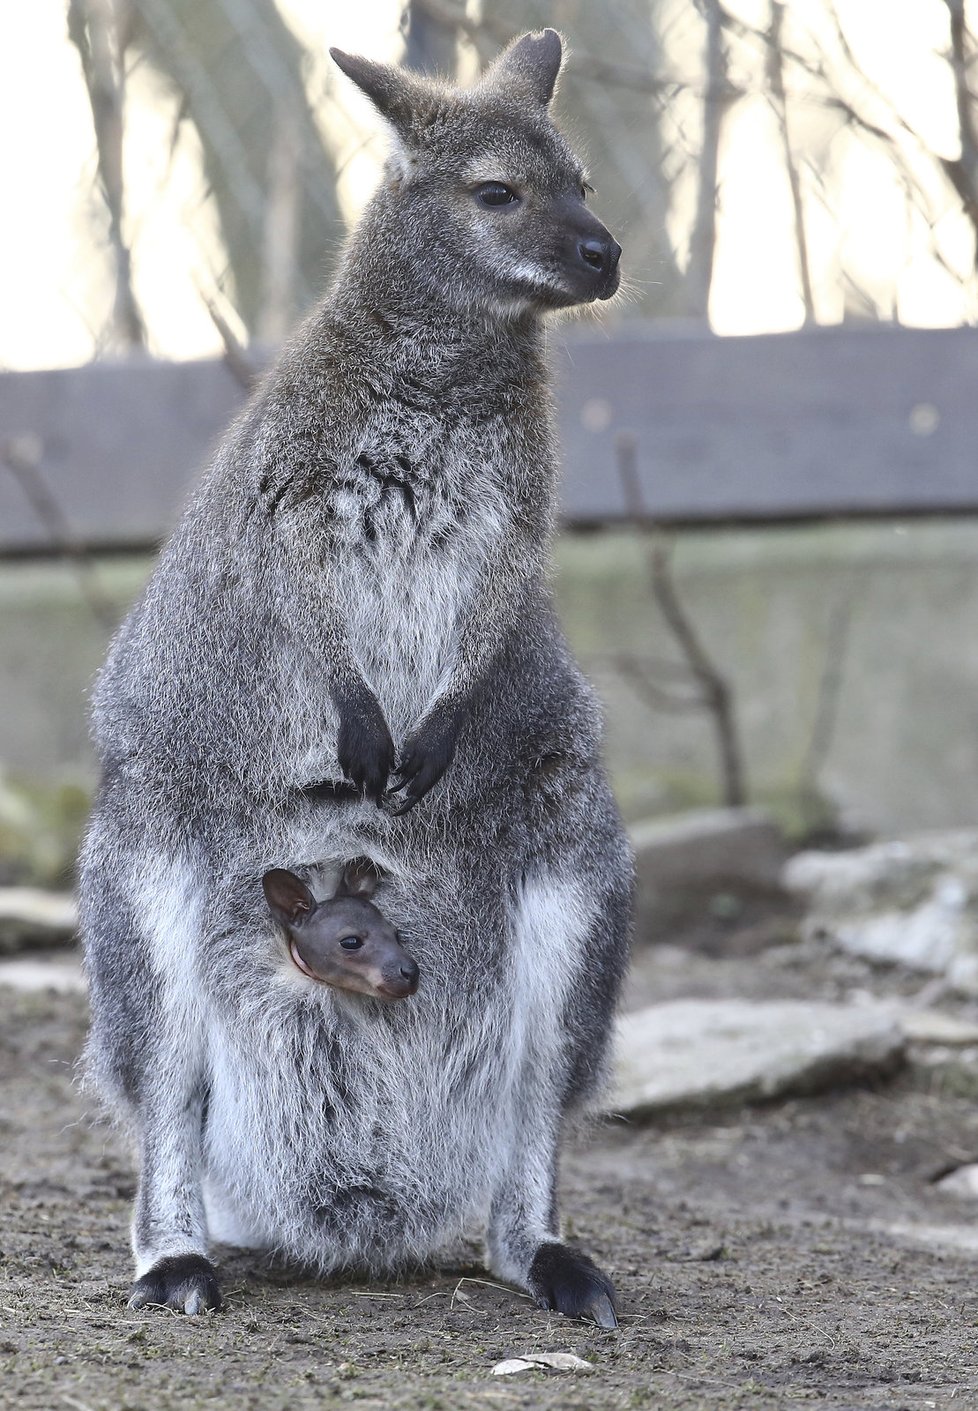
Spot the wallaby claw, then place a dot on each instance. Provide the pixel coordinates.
(424, 759)
(602, 1311)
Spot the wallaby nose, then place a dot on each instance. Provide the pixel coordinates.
(600, 255)
(410, 972)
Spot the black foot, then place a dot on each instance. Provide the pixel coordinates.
(185, 1282)
(568, 1282)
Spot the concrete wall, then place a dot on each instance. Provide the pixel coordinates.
(894, 605)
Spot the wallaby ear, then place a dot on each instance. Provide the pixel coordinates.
(394, 93)
(288, 896)
(360, 878)
(531, 64)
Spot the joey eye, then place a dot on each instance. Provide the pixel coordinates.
(351, 943)
(494, 193)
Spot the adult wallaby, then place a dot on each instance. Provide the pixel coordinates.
(360, 579)
(343, 941)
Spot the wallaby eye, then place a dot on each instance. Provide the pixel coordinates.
(494, 193)
(351, 943)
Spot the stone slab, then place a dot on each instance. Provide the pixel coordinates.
(932, 1026)
(909, 901)
(62, 972)
(709, 845)
(32, 918)
(712, 1053)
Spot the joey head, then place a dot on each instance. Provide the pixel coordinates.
(345, 941)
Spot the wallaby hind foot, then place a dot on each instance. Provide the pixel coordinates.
(566, 1281)
(187, 1283)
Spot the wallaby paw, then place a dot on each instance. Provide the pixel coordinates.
(364, 746)
(566, 1281)
(186, 1283)
(425, 757)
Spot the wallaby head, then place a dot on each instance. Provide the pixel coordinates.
(484, 203)
(345, 941)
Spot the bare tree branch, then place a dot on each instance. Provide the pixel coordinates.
(963, 173)
(95, 30)
(22, 457)
(715, 693)
(236, 356)
(829, 693)
(431, 37)
(486, 34)
(702, 241)
(779, 102)
(633, 670)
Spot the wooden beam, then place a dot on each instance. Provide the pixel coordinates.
(827, 422)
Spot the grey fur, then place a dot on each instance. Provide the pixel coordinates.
(362, 569)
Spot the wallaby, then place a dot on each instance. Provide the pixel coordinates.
(343, 941)
(360, 580)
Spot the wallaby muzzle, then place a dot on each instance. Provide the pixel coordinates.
(590, 253)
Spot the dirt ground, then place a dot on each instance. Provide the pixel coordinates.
(798, 1253)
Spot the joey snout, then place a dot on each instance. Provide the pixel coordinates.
(360, 953)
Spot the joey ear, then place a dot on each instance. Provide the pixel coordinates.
(360, 878)
(395, 94)
(288, 896)
(531, 64)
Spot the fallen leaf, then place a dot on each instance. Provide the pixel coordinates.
(510, 1365)
(549, 1361)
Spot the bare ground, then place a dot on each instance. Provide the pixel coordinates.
(798, 1253)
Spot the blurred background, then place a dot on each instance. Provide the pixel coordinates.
(769, 550)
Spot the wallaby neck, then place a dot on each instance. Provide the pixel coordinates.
(380, 298)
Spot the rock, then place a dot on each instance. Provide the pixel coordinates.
(912, 902)
(709, 1053)
(709, 846)
(709, 865)
(962, 1183)
(542, 1361)
(930, 1026)
(30, 918)
(62, 972)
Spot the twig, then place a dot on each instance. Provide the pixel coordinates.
(279, 273)
(235, 353)
(22, 457)
(829, 691)
(715, 691)
(486, 34)
(635, 672)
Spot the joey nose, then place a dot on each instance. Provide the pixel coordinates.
(410, 972)
(599, 255)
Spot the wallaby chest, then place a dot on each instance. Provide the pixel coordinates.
(421, 515)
